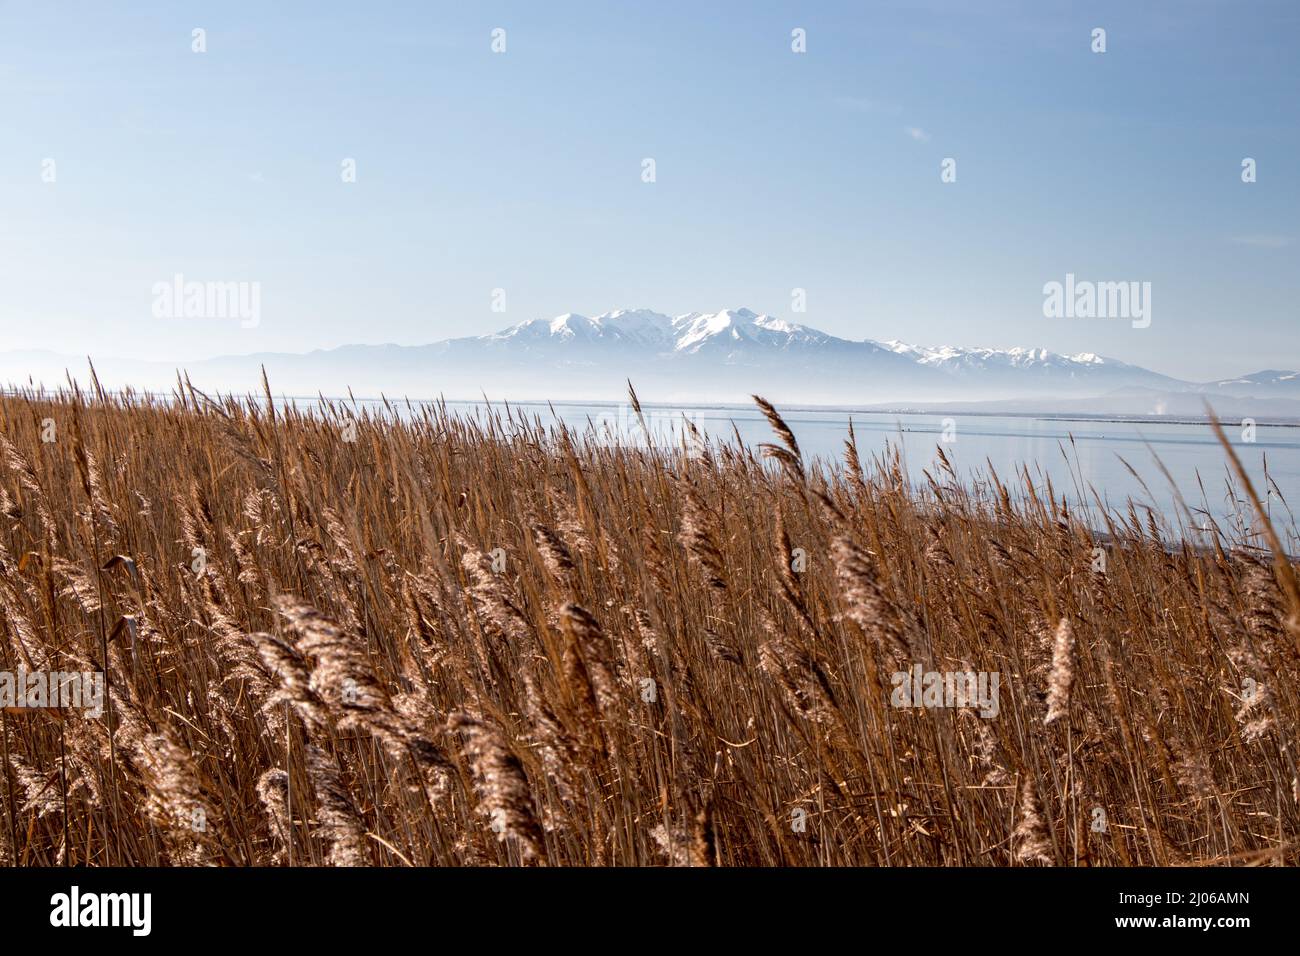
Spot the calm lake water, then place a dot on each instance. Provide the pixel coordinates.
(1079, 456)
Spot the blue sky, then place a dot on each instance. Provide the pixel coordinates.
(775, 170)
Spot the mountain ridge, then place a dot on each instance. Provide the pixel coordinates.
(693, 356)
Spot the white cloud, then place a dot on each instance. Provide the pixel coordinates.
(918, 134)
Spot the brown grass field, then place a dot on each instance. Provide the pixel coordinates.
(493, 642)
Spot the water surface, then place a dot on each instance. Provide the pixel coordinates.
(1084, 459)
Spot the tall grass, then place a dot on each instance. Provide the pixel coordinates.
(469, 642)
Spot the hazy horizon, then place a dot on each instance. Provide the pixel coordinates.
(184, 360)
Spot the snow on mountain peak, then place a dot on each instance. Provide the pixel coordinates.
(949, 356)
(569, 324)
(640, 327)
(637, 325)
(698, 329)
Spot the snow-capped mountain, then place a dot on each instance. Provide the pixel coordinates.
(695, 357)
(725, 344)
(1027, 367)
(740, 328)
(639, 328)
(959, 359)
(693, 332)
